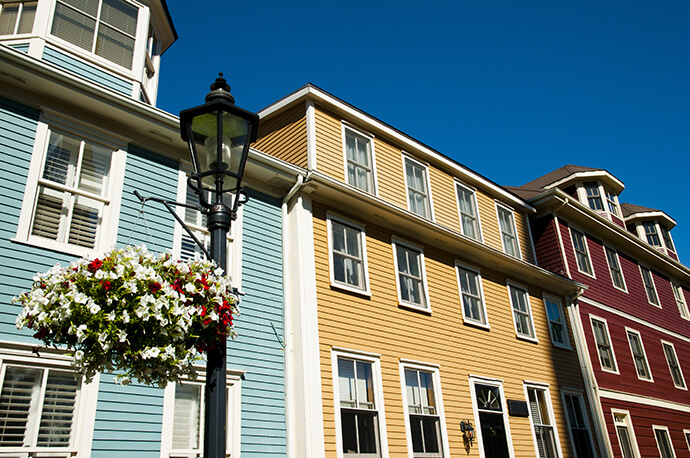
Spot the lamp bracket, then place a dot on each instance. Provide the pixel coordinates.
(169, 205)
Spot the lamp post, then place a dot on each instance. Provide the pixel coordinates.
(218, 134)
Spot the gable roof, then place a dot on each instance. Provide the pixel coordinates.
(633, 212)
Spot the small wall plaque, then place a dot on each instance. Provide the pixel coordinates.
(517, 408)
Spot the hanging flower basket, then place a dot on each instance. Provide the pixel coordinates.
(140, 315)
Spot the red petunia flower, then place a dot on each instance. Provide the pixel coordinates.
(105, 284)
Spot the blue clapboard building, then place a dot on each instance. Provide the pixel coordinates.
(79, 133)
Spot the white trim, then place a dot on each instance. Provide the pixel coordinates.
(551, 417)
(473, 191)
(686, 434)
(564, 322)
(631, 429)
(311, 135)
(615, 369)
(620, 268)
(473, 381)
(414, 362)
(683, 309)
(668, 436)
(415, 146)
(459, 265)
(644, 400)
(579, 396)
(644, 353)
(438, 399)
(587, 252)
(362, 236)
(425, 306)
(429, 203)
(515, 232)
(680, 369)
(560, 241)
(513, 285)
(365, 354)
(593, 174)
(378, 399)
(345, 126)
(644, 286)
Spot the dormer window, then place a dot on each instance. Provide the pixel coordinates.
(666, 235)
(106, 28)
(651, 233)
(599, 198)
(611, 203)
(593, 196)
(17, 17)
(656, 235)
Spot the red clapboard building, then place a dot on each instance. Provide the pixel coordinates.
(631, 323)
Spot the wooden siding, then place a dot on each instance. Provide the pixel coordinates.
(444, 199)
(285, 136)
(390, 173)
(329, 144)
(377, 324)
(87, 71)
(548, 245)
(489, 220)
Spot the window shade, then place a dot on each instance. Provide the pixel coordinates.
(59, 403)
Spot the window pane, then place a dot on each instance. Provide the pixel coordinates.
(84, 223)
(664, 443)
(187, 417)
(625, 442)
(95, 166)
(48, 214)
(61, 159)
(8, 17)
(74, 26)
(20, 390)
(26, 20)
(120, 15)
(115, 46)
(346, 382)
(59, 404)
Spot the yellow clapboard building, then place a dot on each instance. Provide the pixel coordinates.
(417, 323)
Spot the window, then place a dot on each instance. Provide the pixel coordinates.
(17, 17)
(106, 28)
(417, 183)
(651, 233)
(541, 416)
(579, 429)
(38, 409)
(492, 431)
(649, 287)
(666, 235)
(638, 355)
(593, 196)
(469, 217)
(409, 265)
(686, 433)
(674, 365)
(506, 221)
(607, 359)
(680, 300)
(522, 312)
(74, 186)
(626, 434)
(359, 160)
(663, 442)
(612, 203)
(348, 255)
(581, 252)
(183, 417)
(615, 268)
(557, 324)
(471, 295)
(358, 393)
(422, 406)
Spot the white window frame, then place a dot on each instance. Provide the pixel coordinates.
(436, 379)
(375, 361)
(573, 233)
(543, 388)
(665, 430)
(20, 11)
(617, 268)
(85, 404)
(628, 332)
(106, 235)
(139, 51)
(477, 223)
(664, 344)
(647, 287)
(686, 434)
(425, 306)
(364, 289)
(511, 286)
(612, 203)
(667, 233)
(614, 369)
(502, 207)
(233, 416)
(564, 323)
(372, 181)
(627, 423)
(598, 195)
(497, 383)
(482, 303)
(428, 202)
(578, 397)
(234, 236)
(682, 303)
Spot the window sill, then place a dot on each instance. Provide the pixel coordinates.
(350, 289)
(530, 339)
(415, 308)
(57, 247)
(562, 346)
(476, 324)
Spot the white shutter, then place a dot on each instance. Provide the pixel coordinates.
(47, 215)
(59, 404)
(83, 225)
(19, 391)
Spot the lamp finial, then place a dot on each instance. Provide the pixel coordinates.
(220, 89)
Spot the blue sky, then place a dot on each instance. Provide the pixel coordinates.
(510, 89)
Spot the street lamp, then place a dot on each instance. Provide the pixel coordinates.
(218, 134)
